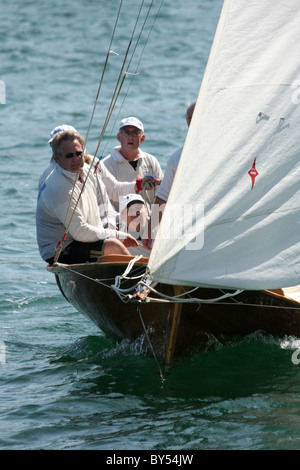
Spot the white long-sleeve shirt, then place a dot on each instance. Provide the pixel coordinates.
(115, 189)
(122, 170)
(109, 188)
(172, 164)
(58, 211)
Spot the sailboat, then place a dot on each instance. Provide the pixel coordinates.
(226, 258)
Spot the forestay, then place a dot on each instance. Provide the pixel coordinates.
(241, 159)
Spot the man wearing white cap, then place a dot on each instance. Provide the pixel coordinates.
(127, 162)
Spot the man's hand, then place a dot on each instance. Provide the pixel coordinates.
(147, 243)
(147, 183)
(129, 241)
(147, 237)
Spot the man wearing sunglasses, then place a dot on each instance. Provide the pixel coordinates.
(68, 208)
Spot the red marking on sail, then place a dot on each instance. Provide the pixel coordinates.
(253, 173)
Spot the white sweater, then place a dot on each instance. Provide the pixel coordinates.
(172, 164)
(115, 189)
(56, 211)
(122, 170)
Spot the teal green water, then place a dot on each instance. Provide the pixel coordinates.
(63, 385)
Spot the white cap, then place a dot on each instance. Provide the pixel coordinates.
(132, 121)
(128, 199)
(58, 129)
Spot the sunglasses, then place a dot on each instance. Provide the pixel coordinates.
(71, 155)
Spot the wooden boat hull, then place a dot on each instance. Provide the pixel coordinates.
(173, 329)
(118, 320)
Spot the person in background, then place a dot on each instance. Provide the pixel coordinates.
(133, 219)
(127, 162)
(172, 164)
(165, 187)
(68, 205)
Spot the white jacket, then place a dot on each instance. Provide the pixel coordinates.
(170, 171)
(114, 188)
(57, 211)
(122, 170)
(47, 172)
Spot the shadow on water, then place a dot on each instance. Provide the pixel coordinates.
(241, 367)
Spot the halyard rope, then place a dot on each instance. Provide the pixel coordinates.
(126, 297)
(115, 96)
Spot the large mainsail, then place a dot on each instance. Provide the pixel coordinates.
(238, 182)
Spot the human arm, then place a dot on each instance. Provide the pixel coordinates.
(117, 189)
(76, 207)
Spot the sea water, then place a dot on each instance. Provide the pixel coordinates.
(63, 385)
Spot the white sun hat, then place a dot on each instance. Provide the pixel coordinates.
(132, 121)
(58, 129)
(128, 199)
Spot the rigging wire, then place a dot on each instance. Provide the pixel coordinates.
(114, 99)
(109, 51)
(120, 82)
(61, 242)
(118, 85)
(150, 344)
(167, 299)
(133, 75)
(136, 71)
(67, 267)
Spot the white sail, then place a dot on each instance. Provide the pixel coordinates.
(241, 160)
